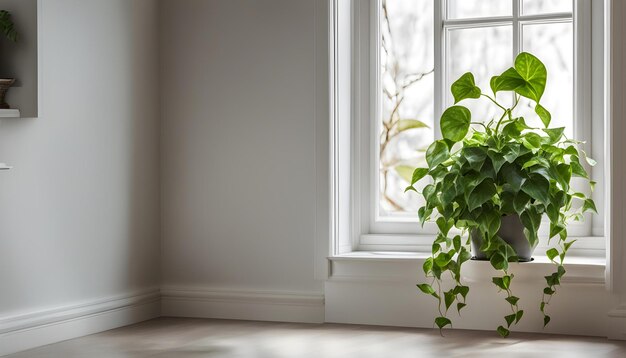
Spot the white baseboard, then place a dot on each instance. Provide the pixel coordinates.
(279, 306)
(617, 323)
(22, 332)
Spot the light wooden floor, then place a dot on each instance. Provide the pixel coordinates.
(176, 337)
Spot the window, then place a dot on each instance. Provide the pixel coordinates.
(403, 57)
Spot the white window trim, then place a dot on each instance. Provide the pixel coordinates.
(351, 214)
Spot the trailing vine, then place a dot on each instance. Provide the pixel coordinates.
(483, 170)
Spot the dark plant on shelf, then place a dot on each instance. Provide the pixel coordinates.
(484, 172)
(6, 25)
(8, 29)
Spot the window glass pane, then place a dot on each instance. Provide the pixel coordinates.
(533, 7)
(553, 44)
(462, 9)
(406, 123)
(485, 52)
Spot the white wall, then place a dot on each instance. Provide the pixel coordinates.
(239, 168)
(79, 213)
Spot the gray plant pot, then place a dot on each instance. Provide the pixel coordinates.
(5, 84)
(512, 232)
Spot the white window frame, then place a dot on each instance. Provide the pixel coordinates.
(361, 229)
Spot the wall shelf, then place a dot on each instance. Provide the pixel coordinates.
(10, 113)
(20, 60)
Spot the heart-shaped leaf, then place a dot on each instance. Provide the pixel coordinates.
(537, 187)
(509, 80)
(442, 322)
(437, 153)
(455, 123)
(543, 114)
(534, 72)
(465, 87)
(481, 194)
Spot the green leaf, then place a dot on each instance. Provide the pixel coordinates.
(589, 205)
(444, 225)
(531, 140)
(442, 322)
(537, 187)
(503, 332)
(514, 176)
(481, 194)
(498, 262)
(461, 290)
(506, 280)
(502, 282)
(590, 161)
(537, 161)
(542, 306)
(552, 253)
(520, 202)
(553, 279)
(531, 219)
(548, 291)
(543, 114)
(437, 153)
(464, 256)
(553, 212)
(509, 80)
(554, 134)
(546, 320)
(406, 124)
(509, 319)
(474, 155)
(427, 289)
(465, 87)
(428, 265)
(418, 174)
(456, 242)
(444, 258)
(497, 159)
(436, 248)
(555, 229)
(490, 222)
(518, 316)
(534, 74)
(568, 245)
(460, 306)
(437, 273)
(563, 174)
(512, 300)
(455, 123)
(449, 297)
(511, 152)
(577, 169)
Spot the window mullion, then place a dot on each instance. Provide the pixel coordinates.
(517, 30)
(440, 50)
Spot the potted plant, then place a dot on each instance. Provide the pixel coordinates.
(491, 185)
(8, 29)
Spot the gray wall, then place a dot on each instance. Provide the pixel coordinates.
(79, 213)
(238, 144)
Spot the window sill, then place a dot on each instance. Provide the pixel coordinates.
(390, 266)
